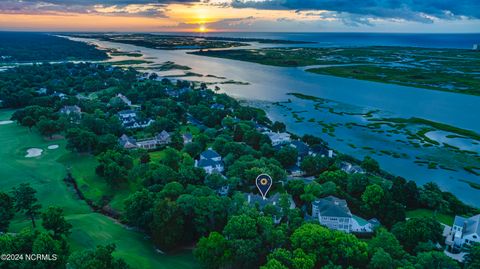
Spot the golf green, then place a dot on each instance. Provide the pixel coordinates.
(45, 173)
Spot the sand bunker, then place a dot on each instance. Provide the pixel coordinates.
(53, 147)
(4, 122)
(33, 152)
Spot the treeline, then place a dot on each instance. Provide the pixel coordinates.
(42, 47)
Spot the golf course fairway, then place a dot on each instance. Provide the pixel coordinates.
(45, 174)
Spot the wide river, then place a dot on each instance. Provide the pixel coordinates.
(269, 84)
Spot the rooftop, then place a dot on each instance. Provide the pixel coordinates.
(258, 199)
(210, 154)
(208, 162)
(333, 206)
(471, 225)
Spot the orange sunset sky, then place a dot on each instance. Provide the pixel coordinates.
(237, 15)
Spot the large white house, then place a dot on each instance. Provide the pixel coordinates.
(334, 213)
(130, 120)
(278, 138)
(464, 231)
(160, 139)
(210, 161)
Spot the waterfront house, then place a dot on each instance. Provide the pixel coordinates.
(302, 148)
(463, 232)
(351, 169)
(321, 150)
(261, 128)
(334, 213)
(278, 138)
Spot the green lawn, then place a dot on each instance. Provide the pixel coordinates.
(45, 174)
(443, 218)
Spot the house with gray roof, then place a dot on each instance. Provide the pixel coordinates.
(136, 124)
(187, 138)
(127, 142)
(72, 113)
(210, 161)
(273, 200)
(163, 138)
(160, 139)
(302, 148)
(321, 150)
(210, 154)
(464, 232)
(130, 120)
(127, 115)
(351, 169)
(278, 138)
(334, 213)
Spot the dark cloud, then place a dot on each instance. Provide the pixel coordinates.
(107, 2)
(86, 6)
(361, 10)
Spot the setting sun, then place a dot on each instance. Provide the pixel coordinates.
(202, 29)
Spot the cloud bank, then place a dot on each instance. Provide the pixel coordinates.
(146, 8)
(410, 10)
